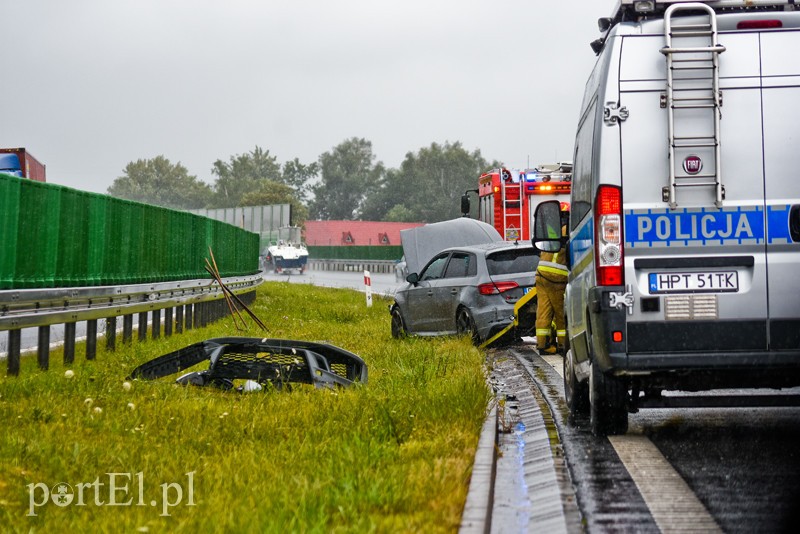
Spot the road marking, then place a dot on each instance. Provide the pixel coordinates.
(673, 505)
(675, 508)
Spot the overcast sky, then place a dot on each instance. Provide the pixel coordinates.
(91, 85)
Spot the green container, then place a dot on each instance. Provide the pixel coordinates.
(9, 222)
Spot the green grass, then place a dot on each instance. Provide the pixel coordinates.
(394, 455)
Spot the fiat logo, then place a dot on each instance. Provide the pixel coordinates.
(692, 164)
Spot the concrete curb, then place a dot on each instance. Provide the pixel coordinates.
(477, 516)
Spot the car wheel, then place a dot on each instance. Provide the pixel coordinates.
(398, 328)
(608, 403)
(576, 393)
(465, 325)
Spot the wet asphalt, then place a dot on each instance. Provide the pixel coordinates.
(742, 464)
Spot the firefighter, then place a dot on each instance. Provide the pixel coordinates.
(551, 281)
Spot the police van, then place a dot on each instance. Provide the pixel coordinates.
(684, 230)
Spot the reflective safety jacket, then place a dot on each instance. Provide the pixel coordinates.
(553, 266)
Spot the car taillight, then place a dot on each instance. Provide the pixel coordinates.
(608, 254)
(495, 288)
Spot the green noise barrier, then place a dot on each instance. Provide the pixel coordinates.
(54, 236)
(353, 252)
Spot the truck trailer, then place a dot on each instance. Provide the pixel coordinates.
(20, 162)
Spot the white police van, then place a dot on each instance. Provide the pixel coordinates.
(684, 234)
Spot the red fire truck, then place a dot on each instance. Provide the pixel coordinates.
(508, 198)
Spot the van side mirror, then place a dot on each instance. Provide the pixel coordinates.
(412, 279)
(547, 226)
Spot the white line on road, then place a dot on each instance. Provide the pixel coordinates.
(674, 506)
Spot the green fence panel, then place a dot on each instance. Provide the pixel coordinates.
(116, 259)
(384, 252)
(73, 249)
(96, 237)
(37, 234)
(9, 224)
(52, 236)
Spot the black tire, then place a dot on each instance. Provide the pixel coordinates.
(576, 393)
(608, 403)
(398, 327)
(465, 325)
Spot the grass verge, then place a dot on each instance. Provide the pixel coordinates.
(394, 455)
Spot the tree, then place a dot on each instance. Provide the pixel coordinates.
(300, 177)
(429, 184)
(276, 193)
(157, 181)
(243, 174)
(348, 176)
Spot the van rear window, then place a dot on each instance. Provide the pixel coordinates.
(512, 261)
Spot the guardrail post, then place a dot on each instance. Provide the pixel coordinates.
(111, 333)
(142, 326)
(14, 344)
(168, 322)
(69, 343)
(43, 348)
(179, 319)
(189, 316)
(91, 339)
(127, 328)
(156, 324)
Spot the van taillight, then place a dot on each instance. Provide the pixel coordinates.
(608, 257)
(759, 24)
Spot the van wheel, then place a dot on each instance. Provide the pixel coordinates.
(608, 403)
(398, 328)
(576, 393)
(465, 324)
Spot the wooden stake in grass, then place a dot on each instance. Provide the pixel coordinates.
(230, 297)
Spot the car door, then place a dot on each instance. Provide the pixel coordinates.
(459, 274)
(423, 309)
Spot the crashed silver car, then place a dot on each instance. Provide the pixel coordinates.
(465, 290)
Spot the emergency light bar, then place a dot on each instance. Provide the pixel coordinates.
(548, 188)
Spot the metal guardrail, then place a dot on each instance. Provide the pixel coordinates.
(195, 303)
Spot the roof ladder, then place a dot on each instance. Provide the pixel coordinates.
(693, 100)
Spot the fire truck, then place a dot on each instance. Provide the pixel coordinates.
(508, 198)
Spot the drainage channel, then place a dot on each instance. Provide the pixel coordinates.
(532, 489)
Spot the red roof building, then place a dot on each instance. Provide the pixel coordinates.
(358, 233)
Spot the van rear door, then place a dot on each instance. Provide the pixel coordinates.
(780, 68)
(698, 273)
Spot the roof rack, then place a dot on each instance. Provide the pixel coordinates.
(635, 10)
(660, 5)
(638, 8)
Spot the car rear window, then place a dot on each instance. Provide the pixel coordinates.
(512, 261)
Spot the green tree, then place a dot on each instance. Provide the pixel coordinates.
(429, 184)
(244, 173)
(399, 213)
(348, 176)
(157, 181)
(300, 177)
(277, 193)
